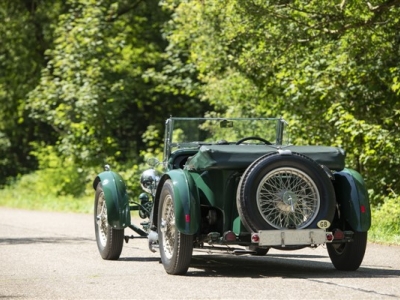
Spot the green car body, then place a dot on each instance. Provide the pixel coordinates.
(117, 199)
(223, 192)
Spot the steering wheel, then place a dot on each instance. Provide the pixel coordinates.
(253, 138)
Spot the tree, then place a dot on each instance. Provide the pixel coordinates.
(94, 92)
(331, 68)
(25, 34)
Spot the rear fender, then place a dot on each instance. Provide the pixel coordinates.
(352, 196)
(117, 199)
(186, 203)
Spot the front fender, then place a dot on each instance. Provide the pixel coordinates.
(352, 196)
(117, 199)
(186, 204)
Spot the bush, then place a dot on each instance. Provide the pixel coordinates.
(30, 192)
(57, 176)
(58, 185)
(385, 221)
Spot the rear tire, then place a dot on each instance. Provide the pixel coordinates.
(348, 256)
(109, 240)
(176, 248)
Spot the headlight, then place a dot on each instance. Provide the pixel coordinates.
(149, 181)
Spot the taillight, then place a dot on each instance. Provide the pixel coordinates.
(255, 238)
(229, 236)
(338, 234)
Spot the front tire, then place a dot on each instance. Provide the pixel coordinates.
(109, 240)
(348, 256)
(175, 247)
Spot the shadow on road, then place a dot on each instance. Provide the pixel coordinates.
(285, 266)
(43, 240)
(139, 259)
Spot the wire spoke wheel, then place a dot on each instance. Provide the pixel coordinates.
(101, 219)
(175, 247)
(109, 240)
(288, 198)
(167, 227)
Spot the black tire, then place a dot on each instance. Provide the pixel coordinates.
(176, 248)
(285, 192)
(109, 240)
(348, 256)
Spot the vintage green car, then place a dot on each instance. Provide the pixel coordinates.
(237, 185)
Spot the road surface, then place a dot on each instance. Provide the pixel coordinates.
(47, 255)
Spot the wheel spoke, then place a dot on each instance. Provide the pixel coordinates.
(101, 219)
(168, 226)
(288, 197)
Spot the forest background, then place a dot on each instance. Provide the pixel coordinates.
(89, 82)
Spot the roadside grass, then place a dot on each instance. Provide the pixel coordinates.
(25, 199)
(379, 236)
(17, 198)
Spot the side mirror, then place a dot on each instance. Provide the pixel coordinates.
(153, 162)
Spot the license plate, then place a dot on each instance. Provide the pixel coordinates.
(292, 237)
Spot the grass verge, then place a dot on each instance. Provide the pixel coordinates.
(18, 199)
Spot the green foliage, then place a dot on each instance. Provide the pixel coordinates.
(57, 175)
(39, 191)
(93, 91)
(84, 87)
(376, 147)
(73, 88)
(58, 185)
(331, 69)
(25, 33)
(385, 221)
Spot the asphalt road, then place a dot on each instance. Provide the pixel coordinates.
(47, 255)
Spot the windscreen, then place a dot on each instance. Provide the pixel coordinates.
(191, 132)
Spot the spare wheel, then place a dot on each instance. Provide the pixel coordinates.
(285, 192)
